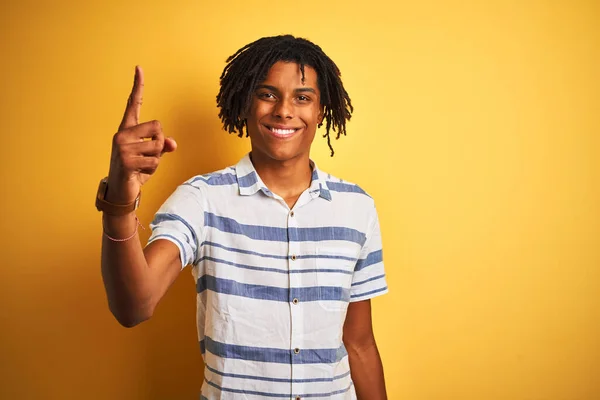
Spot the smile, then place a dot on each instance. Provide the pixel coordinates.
(281, 132)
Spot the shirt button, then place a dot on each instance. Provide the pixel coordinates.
(296, 350)
(291, 213)
(294, 257)
(295, 301)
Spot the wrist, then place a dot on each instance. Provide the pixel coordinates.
(120, 228)
(112, 205)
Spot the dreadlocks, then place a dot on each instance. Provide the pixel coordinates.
(250, 65)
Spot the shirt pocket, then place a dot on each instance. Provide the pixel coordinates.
(335, 266)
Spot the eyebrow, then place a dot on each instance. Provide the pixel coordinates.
(299, 90)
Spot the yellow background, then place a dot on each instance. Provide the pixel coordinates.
(476, 130)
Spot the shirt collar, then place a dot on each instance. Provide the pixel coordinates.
(249, 182)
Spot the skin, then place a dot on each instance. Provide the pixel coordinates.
(137, 278)
(284, 101)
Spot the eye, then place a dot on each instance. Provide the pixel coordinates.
(303, 98)
(266, 95)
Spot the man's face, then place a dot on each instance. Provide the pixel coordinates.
(284, 113)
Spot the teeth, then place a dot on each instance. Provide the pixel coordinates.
(283, 131)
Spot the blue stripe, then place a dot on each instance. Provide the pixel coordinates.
(368, 293)
(328, 256)
(280, 271)
(230, 225)
(278, 257)
(328, 394)
(324, 193)
(373, 258)
(221, 179)
(313, 293)
(368, 280)
(314, 176)
(272, 355)
(166, 217)
(214, 244)
(248, 180)
(217, 180)
(345, 187)
(281, 380)
(326, 233)
(165, 235)
(202, 178)
(282, 395)
(270, 233)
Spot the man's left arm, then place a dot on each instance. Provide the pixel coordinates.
(366, 368)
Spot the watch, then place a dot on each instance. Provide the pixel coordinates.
(111, 208)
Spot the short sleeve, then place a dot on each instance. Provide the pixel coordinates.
(368, 279)
(180, 220)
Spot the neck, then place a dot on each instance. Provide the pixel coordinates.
(287, 179)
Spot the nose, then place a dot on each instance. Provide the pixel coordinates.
(284, 109)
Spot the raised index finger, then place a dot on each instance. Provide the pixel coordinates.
(134, 103)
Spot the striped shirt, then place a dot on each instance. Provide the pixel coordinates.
(273, 283)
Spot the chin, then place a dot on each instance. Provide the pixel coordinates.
(283, 155)
(279, 154)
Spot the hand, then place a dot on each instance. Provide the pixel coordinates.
(136, 149)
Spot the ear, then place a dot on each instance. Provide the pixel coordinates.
(321, 116)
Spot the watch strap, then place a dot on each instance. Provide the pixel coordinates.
(112, 208)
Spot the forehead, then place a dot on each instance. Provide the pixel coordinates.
(284, 74)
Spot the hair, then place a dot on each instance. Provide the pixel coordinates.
(249, 66)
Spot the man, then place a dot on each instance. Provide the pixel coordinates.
(286, 257)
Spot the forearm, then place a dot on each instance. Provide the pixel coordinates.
(125, 271)
(367, 372)
(135, 278)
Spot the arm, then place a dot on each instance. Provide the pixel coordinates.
(366, 368)
(135, 279)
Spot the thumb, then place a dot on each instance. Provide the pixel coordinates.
(170, 145)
